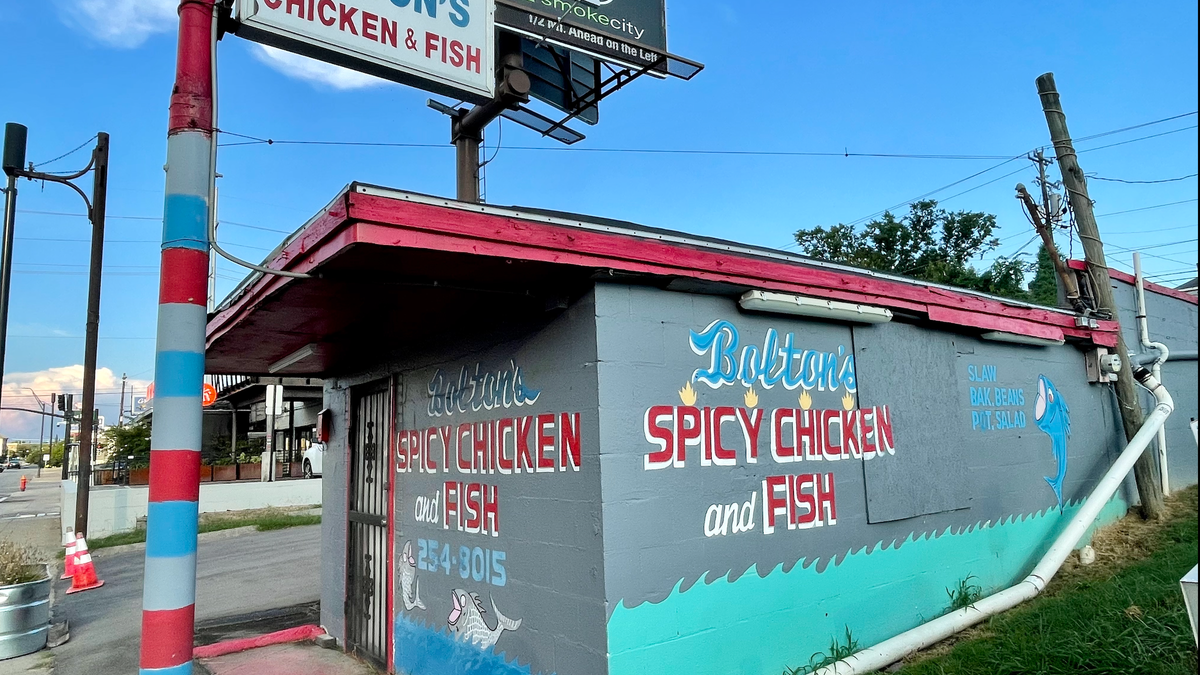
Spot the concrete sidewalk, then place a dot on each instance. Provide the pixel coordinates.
(300, 658)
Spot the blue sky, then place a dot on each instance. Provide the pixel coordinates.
(869, 77)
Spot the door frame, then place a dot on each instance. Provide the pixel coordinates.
(357, 392)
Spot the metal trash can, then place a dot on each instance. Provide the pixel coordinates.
(24, 617)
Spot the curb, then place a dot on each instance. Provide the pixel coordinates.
(203, 537)
(298, 634)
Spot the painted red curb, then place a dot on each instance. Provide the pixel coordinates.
(298, 634)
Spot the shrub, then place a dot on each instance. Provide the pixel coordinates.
(18, 564)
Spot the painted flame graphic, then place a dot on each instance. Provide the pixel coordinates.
(805, 401)
(687, 394)
(751, 398)
(848, 401)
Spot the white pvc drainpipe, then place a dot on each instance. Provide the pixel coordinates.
(1156, 369)
(890, 651)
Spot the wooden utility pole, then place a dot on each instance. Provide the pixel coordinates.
(1149, 491)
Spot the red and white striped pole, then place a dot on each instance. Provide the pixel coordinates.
(169, 595)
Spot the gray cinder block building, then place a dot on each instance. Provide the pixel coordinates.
(560, 444)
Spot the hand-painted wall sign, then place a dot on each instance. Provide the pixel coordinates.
(1054, 419)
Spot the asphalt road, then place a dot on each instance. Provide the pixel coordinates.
(236, 576)
(30, 517)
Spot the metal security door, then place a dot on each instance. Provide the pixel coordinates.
(367, 565)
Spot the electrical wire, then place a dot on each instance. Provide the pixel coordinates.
(1135, 140)
(1136, 126)
(212, 172)
(1146, 208)
(1143, 182)
(68, 153)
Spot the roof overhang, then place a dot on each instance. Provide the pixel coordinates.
(395, 270)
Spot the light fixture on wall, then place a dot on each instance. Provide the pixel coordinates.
(1015, 338)
(785, 303)
(293, 358)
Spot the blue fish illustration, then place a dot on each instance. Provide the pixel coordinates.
(1054, 419)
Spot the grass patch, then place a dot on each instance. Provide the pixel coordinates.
(837, 651)
(263, 520)
(965, 595)
(1122, 614)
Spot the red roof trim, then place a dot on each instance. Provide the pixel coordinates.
(385, 221)
(1132, 280)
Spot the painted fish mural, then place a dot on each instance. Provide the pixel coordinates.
(1054, 419)
(410, 586)
(467, 624)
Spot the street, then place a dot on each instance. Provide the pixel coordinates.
(240, 578)
(30, 517)
(235, 576)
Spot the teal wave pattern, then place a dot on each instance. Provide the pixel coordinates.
(758, 624)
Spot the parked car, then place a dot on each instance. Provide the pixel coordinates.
(313, 459)
(14, 464)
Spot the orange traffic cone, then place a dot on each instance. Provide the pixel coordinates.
(69, 558)
(85, 573)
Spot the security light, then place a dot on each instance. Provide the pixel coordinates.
(784, 303)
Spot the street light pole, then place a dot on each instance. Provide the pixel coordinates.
(42, 427)
(15, 136)
(92, 330)
(96, 207)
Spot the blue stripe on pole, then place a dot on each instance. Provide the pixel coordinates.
(171, 529)
(170, 583)
(178, 374)
(185, 223)
(181, 669)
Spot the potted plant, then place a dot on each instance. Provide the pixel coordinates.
(24, 601)
(224, 469)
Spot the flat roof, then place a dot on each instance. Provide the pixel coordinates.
(378, 255)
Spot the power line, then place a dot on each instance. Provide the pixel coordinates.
(84, 215)
(1143, 182)
(81, 337)
(1151, 231)
(67, 153)
(1135, 140)
(636, 151)
(256, 140)
(1136, 126)
(1173, 243)
(1146, 208)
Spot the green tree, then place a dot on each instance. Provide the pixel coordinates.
(929, 243)
(1044, 287)
(132, 440)
(33, 453)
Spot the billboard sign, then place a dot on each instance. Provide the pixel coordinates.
(632, 32)
(442, 46)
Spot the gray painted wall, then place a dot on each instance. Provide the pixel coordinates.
(549, 573)
(655, 519)
(1174, 323)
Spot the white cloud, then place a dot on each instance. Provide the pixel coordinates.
(17, 424)
(120, 23)
(304, 68)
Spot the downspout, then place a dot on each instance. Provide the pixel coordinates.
(892, 650)
(1156, 369)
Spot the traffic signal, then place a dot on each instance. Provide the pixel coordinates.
(14, 148)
